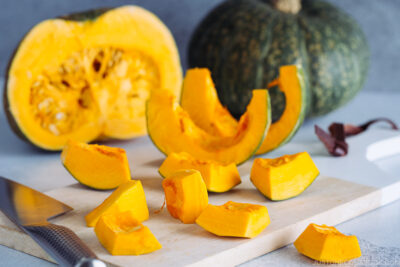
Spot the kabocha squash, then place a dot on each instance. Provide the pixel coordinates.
(200, 100)
(217, 177)
(292, 85)
(234, 219)
(284, 177)
(185, 194)
(98, 167)
(127, 197)
(244, 42)
(88, 75)
(122, 234)
(172, 130)
(326, 244)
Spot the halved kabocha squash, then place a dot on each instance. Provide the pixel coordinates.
(185, 194)
(172, 130)
(96, 166)
(200, 100)
(122, 234)
(326, 244)
(284, 177)
(127, 197)
(88, 75)
(234, 219)
(217, 177)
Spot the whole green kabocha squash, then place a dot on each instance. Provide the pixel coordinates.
(244, 42)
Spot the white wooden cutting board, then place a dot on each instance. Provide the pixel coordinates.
(327, 201)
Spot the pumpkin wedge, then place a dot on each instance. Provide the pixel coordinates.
(291, 83)
(326, 244)
(96, 166)
(88, 76)
(200, 99)
(122, 234)
(127, 197)
(172, 130)
(217, 177)
(284, 177)
(185, 194)
(234, 219)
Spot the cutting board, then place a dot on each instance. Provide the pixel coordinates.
(327, 201)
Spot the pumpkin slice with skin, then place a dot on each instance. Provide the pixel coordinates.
(234, 219)
(200, 99)
(88, 76)
(172, 130)
(217, 177)
(96, 166)
(291, 83)
(185, 194)
(127, 197)
(122, 234)
(326, 244)
(284, 177)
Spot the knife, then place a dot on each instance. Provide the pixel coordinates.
(30, 210)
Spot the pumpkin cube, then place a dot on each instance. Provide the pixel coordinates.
(284, 177)
(122, 234)
(186, 195)
(234, 219)
(127, 197)
(217, 176)
(98, 167)
(326, 244)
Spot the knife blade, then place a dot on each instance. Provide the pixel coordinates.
(30, 210)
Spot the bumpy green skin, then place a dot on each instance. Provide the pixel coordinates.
(86, 15)
(244, 42)
(81, 16)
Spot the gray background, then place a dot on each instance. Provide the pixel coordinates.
(379, 19)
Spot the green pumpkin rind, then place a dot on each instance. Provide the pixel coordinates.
(334, 84)
(86, 15)
(244, 42)
(81, 16)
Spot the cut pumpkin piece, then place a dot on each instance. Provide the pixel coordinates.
(291, 83)
(217, 177)
(122, 234)
(185, 194)
(326, 244)
(172, 130)
(98, 167)
(234, 219)
(88, 75)
(284, 177)
(199, 99)
(127, 197)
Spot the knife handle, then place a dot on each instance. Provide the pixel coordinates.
(63, 245)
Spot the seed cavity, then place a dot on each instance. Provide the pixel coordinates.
(63, 97)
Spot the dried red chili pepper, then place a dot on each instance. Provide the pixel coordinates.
(335, 142)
